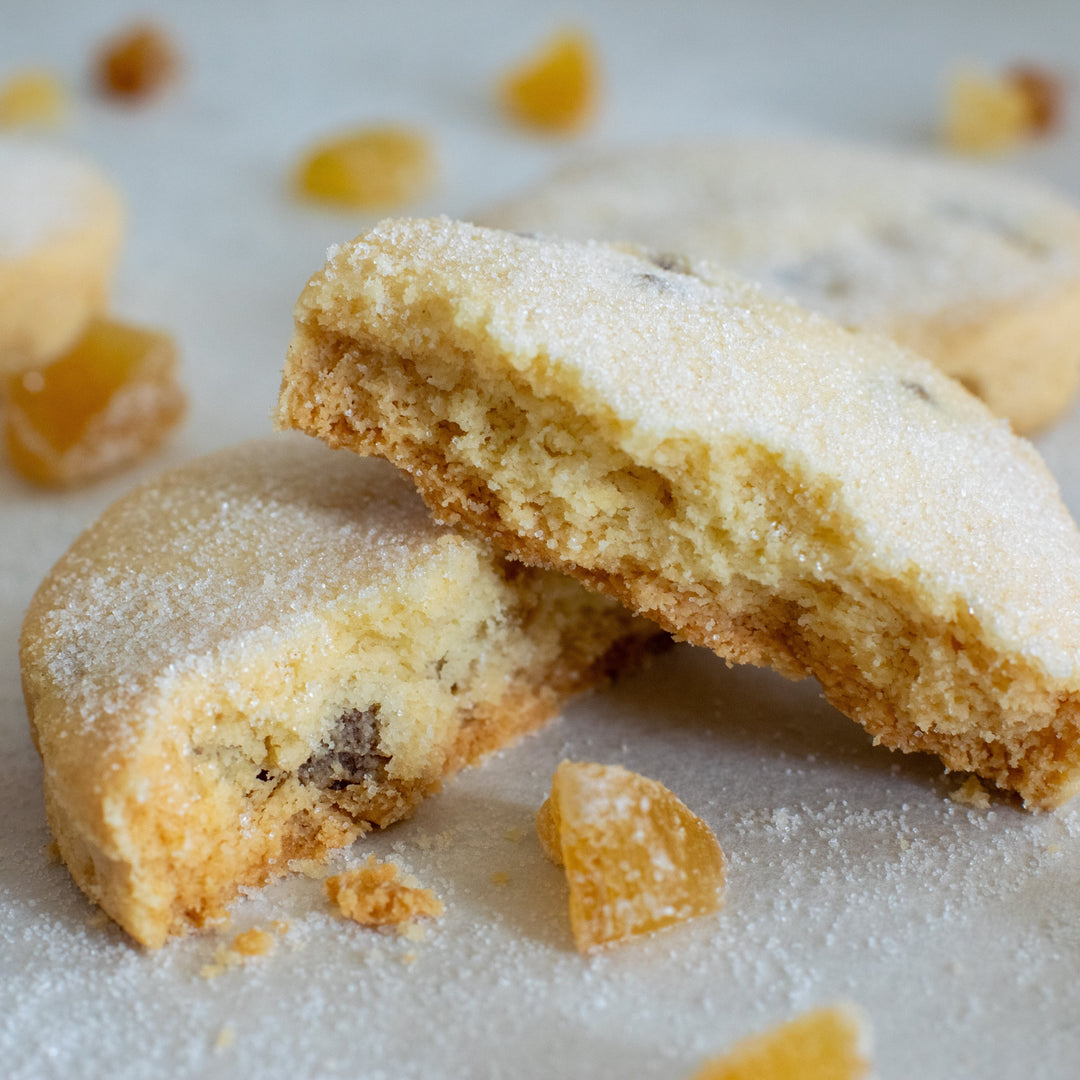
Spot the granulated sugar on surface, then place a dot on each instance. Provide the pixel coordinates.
(851, 875)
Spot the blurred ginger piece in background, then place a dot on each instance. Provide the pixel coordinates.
(32, 98)
(102, 405)
(989, 114)
(825, 1044)
(555, 90)
(376, 168)
(137, 63)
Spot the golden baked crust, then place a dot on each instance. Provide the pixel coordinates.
(60, 229)
(264, 654)
(977, 271)
(751, 476)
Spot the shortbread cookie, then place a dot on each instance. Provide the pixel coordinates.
(258, 657)
(980, 272)
(60, 228)
(750, 475)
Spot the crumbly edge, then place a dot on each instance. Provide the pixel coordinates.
(551, 487)
(171, 857)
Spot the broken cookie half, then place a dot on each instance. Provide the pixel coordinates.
(264, 654)
(749, 475)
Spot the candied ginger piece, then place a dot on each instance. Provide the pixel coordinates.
(371, 169)
(636, 859)
(556, 89)
(826, 1044)
(1044, 96)
(106, 402)
(373, 895)
(985, 115)
(32, 98)
(138, 63)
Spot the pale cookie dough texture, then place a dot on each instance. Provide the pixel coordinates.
(260, 656)
(750, 475)
(61, 223)
(978, 271)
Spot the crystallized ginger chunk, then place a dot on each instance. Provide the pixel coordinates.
(112, 398)
(556, 89)
(986, 115)
(32, 98)
(826, 1044)
(138, 63)
(636, 858)
(371, 169)
(373, 895)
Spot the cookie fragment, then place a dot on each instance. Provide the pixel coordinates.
(204, 668)
(751, 476)
(376, 895)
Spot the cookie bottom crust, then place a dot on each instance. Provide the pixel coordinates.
(545, 484)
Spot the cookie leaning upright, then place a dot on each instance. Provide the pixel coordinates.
(60, 228)
(751, 476)
(262, 655)
(977, 270)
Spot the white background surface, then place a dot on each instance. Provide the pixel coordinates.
(851, 873)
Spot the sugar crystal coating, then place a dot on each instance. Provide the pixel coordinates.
(636, 858)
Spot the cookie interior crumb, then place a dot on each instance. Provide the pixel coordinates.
(971, 793)
(374, 895)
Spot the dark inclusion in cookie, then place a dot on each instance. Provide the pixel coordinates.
(677, 264)
(1008, 231)
(919, 391)
(348, 755)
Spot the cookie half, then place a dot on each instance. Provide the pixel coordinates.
(61, 224)
(978, 271)
(750, 475)
(260, 656)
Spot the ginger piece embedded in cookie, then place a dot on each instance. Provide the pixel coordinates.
(109, 400)
(825, 1044)
(636, 858)
(374, 895)
(370, 169)
(556, 89)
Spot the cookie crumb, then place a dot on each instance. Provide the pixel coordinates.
(373, 895)
(500, 877)
(225, 1038)
(247, 944)
(971, 793)
(514, 834)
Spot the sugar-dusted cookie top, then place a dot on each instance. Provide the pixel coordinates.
(216, 563)
(60, 229)
(936, 252)
(752, 475)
